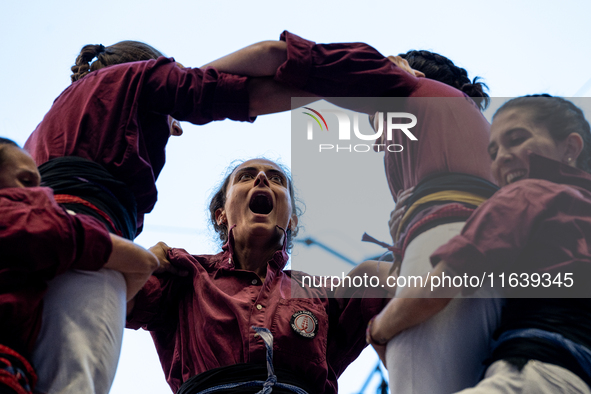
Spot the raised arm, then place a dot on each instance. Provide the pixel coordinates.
(257, 60)
(266, 96)
(261, 61)
(301, 68)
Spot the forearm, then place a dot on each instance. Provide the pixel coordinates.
(134, 262)
(267, 96)
(258, 60)
(366, 271)
(413, 306)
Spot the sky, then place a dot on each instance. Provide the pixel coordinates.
(517, 47)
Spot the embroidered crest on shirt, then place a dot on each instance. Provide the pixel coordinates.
(304, 323)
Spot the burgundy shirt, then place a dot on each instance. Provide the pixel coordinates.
(539, 224)
(117, 117)
(39, 240)
(204, 321)
(452, 135)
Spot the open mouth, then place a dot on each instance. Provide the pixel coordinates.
(261, 203)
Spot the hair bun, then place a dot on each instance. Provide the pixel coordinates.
(121, 52)
(477, 91)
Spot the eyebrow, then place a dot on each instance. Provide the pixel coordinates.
(254, 169)
(271, 171)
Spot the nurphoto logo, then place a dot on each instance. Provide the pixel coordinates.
(402, 121)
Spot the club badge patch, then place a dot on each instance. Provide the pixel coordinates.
(304, 323)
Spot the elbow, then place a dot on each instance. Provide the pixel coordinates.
(269, 56)
(274, 50)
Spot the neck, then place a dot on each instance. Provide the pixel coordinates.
(253, 259)
(254, 252)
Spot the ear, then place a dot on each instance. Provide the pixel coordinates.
(293, 223)
(574, 146)
(220, 216)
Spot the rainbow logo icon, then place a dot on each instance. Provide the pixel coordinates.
(315, 118)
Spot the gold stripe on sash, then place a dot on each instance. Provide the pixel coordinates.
(446, 195)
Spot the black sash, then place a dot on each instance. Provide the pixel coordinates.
(240, 373)
(91, 182)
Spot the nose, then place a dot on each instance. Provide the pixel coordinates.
(261, 178)
(503, 156)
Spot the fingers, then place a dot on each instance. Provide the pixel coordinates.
(402, 63)
(393, 59)
(397, 60)
(160, 250)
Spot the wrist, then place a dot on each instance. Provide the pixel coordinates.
(370, 335)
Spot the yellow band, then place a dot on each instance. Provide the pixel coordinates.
(446, 195)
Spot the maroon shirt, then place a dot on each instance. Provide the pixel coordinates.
(117, 117)
(39, 240)
(452, 134)
(539, 224)
(204, 321)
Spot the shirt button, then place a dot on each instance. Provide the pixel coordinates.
(259, 307)
(254, 281)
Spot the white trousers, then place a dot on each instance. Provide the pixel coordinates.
(444, 354)
(536, 377)
(82, 329)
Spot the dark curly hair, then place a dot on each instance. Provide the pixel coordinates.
(560, 116)
(440, 68)
(121, 52)
(218, 201)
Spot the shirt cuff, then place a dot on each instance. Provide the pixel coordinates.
(231, 99)
(295, 71)
(341, 70)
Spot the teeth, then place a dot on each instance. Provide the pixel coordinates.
(515, 175)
